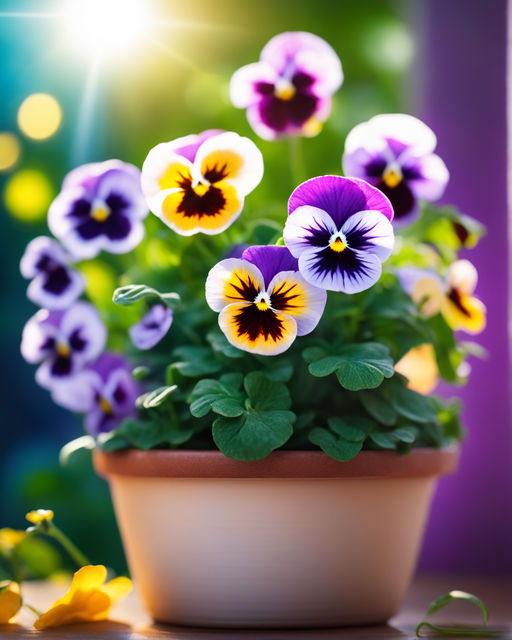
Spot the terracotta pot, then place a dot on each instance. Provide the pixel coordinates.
(294, 540)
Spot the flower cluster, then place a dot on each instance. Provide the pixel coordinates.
(356, 282)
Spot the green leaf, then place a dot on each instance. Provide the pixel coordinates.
(132, 293)
(458, 630)
(220, 396)
(278, 370)
(253, 435)
(264, 394)
(378, 408)
(335, 446)
(112, 442)
(406, 433)
(157, 397)
(148, 434)
(346, 430)
(383, 439)
(220, 344)
(408, 403)
(357, 366)
(139, 373)
(194, 362)
(70, 448)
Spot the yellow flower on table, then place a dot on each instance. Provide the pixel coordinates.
(10, 601)
(88, 599)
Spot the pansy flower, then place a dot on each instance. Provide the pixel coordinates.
(452, 297)
(419, 366)
(100, 206)
(394, 152)
(264, 302)
(152, 328)
(288, 92)
(198, 183)
(63, 341)
(340, 231)
(105, 391)
(55, 285)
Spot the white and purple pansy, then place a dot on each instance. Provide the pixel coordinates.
(152, 328)
(100, 207)
(394, 152)
(288, 92)
(263, 301)
(63, 342)
(55, 285)
(197, 184)
(340, 231)
(105, 391)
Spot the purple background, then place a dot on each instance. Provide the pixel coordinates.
(462, 96)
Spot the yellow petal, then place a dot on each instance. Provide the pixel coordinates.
(428, 295)
(174, 176)
(266, 333)
(10, 602)
(419, 366)
(222, 164)
(37, 516)
(9, 538)
(118, 588)
(468, 314)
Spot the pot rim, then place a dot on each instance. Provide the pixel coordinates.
(187, 463)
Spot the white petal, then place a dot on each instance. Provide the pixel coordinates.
(241, 88)
(462, 276)
(225, 276)
(305, 224)
(157, 162)
(376, 231)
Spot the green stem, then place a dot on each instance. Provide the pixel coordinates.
(33, 609)
(75, 553)
(296, 160)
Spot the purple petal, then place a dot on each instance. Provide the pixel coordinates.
(430, 177)
(247, 83)
(188, 146)
(39, 334)
(152, 328)
(270, 260)
(77, 393)
(375, 199)
(348, 271)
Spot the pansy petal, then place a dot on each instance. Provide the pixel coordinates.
(291, 294)
(119, 189)
(118, 588)
(307, 227)
(270, 260)
(265, 333)
(233, 280)
(164, 169)
(464, 312)
(38, 252)
(432, 177)
(463, 276)
(37, 337)
(85, 332)
(370, 231)
(339, 197)
(243, 88)
(78, 392)
(259, 124)
(409, 276)
(376, 200)
(56, 290)
(72, 204)
(121, 391)
(187, 146)
(307, 53)
(233, 158)
(428, 295)
(152, 328)
(406, 130)
(348, 271)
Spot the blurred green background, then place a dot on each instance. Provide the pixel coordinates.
(173, 83)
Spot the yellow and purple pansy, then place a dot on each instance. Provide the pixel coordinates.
(100, 206)
(54, 284)
(394, 152)
(340, 231)
(197, 184)
(452, 297)
(63, 342)
(288, 92)
(263, 301)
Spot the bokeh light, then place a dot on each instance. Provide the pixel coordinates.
(39, 116)
(10, 150)
(28, 194)
(100, 279)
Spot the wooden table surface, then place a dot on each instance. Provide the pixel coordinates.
(129, 620)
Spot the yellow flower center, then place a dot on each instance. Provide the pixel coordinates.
(338, 245)
(262, 302)
(392, 176)
(201, 188)
(105, 406)
(100, 214)
(284, 90)
(62, 350)
(312, 127)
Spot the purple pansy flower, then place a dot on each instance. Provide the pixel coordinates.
(63, 341)
(54, 284)
(288, 92)
(100, 206)
(394, 152)
(263, 300)
(105, 391)
(340, 231)
(152, 328)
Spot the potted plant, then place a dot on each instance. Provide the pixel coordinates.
(257, 393)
